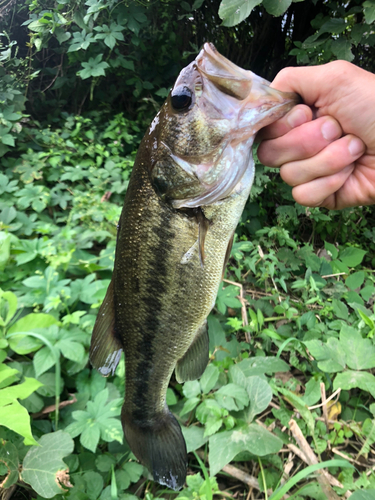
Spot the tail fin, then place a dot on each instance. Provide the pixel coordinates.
(160, 446)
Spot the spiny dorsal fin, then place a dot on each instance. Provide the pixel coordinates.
(194, 362)
(105, 348)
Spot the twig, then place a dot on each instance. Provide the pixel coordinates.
(326, 401)
(51, 408)
(311, 459)
(243, 301)
(333, 275)
(347, 457)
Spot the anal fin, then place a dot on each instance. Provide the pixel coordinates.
(106, 347)
(194, 362)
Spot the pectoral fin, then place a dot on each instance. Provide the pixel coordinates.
(227, 254)
(194, 362)
(105, 348)
(203, 225)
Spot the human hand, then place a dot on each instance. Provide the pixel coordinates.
(329, 160)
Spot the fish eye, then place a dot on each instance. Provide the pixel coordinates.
(181, 98)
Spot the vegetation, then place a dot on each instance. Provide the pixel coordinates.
(290, 388)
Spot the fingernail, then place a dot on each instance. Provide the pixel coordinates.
(330, 130)
(355, 147)
(296, 118)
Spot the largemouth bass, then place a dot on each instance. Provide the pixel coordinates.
(190, 182)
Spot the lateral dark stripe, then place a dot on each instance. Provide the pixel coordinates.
(156, 288)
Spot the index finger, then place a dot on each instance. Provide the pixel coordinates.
(297, 116)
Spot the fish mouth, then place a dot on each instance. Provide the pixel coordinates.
(260, 104)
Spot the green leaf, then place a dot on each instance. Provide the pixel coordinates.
(355, 280)
(262, 365)
(7, 374)
(94, 484)
(276, 7)
(331, 356)
(334, 25)
(340, 309)
(4, 249)
(189, 406)
(367, 292)
(352, 256)
(360, 352)
(90, 435)
(7, 139)
(9, 457)
(232, 397)
(312, 393)
(363, 494)
(209, 378)
(19, 391)
(43, 467)
(369, 12)
(352, 379)
(227, 297)
(260, 396)
(232, 12)
(191, 389)
(45, 359)
(300, 406)
(97, 421)
(94, 67)
(342, 49)
(16, 417)
(22, 344)
(224, 446)
(194, 437)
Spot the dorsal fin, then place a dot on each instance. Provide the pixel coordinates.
(106, 347)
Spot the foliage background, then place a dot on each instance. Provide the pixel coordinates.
(79, 84)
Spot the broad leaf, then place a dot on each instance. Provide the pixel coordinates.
(276, 7)
(97, 421)
(260, 396)
(262, 365)
(194, 437)
(43, 467)
(224, 446)
(232, 12)
(352, 379)
(369, 11)
(16, 417)
(352, 256)
(209, 378)
(9, 457)
(363, 494)
(360, 353)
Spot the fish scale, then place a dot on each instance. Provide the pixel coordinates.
(190, 182)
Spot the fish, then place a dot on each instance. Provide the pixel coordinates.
(192, 176)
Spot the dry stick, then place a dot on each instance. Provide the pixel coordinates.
(323, 478)
(49, 409)
(241, 475)
(336, 451)
(333, 395)
(243, 301)
(324, 402)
